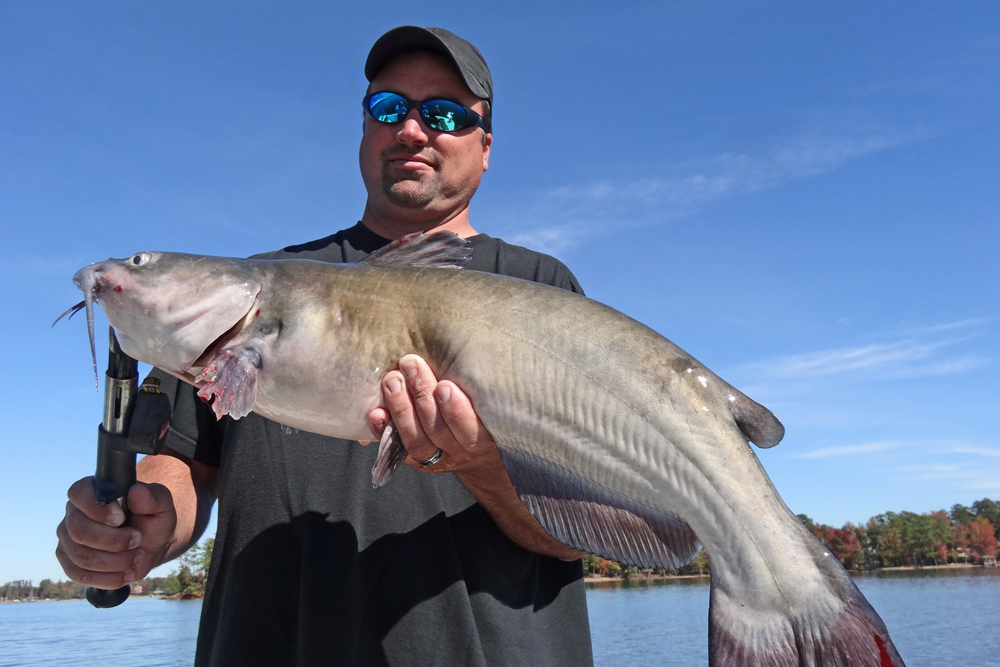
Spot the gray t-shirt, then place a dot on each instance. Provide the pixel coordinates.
(312, 566)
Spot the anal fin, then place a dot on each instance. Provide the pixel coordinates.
(585, 516)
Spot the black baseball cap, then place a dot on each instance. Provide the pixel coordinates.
(467, 58)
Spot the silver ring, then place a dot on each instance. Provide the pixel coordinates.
(432, 460)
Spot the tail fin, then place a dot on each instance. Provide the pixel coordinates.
(838, 628)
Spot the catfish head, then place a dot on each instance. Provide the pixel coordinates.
(169, 309)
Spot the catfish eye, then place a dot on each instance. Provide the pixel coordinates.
(139, 258)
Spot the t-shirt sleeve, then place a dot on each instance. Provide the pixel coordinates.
(194, 431)
(496, 256)
(562, 277)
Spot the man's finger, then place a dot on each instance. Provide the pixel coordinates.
(377, 419)
(95, 560)
(421, 384)
(81, 495)
(404, 417)
(457, 411)
(81, 529)
(106, 580)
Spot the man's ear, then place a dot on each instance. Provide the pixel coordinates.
(487, 142)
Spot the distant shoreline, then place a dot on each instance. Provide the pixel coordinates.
(131, 597)
(598, 579)
(949, 566)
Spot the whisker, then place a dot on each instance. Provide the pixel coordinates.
(71, 312)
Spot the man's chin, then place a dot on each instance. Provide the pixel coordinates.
(408, 194)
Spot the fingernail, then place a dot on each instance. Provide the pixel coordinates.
(443, 392)
(129, 576)
(394, 385)
(135, 541)
(410, 369)
(115, 517)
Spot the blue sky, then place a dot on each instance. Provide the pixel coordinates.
(802, 195)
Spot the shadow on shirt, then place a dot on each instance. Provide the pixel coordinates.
(307, 596)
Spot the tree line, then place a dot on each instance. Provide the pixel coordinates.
(961, 535)
(187, 581)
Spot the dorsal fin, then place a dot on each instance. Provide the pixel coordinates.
(757, 423)
(442, 249)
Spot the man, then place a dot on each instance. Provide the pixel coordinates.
(312, 565)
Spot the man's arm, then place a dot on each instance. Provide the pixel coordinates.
(170, 507)
(431, 415)
(194, 488)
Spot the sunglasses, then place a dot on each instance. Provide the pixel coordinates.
(439, 115)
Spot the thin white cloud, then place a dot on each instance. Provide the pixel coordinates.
(848, 450)
(983, 484)
(849, 359)
(937, 471)
(964, 476)
(960, 324)
(981, 451)
(908, 358)
(563, 217)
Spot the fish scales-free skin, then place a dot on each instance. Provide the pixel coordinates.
(618, 441)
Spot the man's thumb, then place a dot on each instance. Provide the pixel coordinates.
(149, 498)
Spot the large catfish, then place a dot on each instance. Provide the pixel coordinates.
(620, 443)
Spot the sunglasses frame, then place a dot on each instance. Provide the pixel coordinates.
(472, 119)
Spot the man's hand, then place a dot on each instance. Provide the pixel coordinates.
(431, 415)
(94, 550)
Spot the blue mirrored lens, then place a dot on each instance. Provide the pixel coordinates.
(442, 115)
(388, 107)
(439, 115)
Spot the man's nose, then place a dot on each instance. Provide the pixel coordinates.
(412, 132)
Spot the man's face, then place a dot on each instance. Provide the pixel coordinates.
(410, 169)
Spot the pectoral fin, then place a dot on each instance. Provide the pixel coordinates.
(391, 455)
(231, 378)
(582, 515)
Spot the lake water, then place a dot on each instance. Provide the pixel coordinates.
(939, 617)
(935, 617)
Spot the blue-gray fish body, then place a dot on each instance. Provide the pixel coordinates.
(620, 443)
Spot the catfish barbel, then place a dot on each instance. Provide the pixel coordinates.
(620, 443)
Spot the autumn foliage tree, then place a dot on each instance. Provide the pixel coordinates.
(906, 538)
(982, 539)
(892, 539)
(843, 543)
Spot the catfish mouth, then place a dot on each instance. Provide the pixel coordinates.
(86, 280)
(212, 351)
